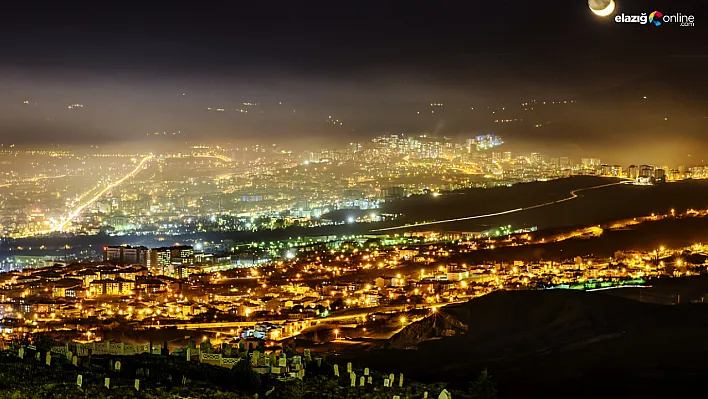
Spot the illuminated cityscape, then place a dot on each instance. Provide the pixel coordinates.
(212, 189)
(295, 285)
(242, 200)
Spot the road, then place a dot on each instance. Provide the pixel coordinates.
(215, 156)
(60, 226)
(573, 195)
(33, 179)
(304, 323)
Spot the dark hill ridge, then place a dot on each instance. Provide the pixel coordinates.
(591, 207)
(477, 201)
(518, 323)
(536, 341)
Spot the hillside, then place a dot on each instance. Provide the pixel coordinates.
(591, 207)
(549, 342)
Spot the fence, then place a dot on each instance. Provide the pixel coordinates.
(120, 348)
(218, 360)
(103, 348)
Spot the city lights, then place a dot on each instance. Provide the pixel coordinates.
(185, 213)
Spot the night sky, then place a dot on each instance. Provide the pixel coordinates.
(141, 69)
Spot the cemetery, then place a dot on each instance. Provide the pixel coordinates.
(102, 370)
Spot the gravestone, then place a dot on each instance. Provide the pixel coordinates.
(21, 353)
(189, 354)
(425, 395)
(48, 359)
(370, 380)
(386, 382)
(400, 380)
(118, 365)
(362, 381)
(107, 382)
(282, 362)
(38, 356)
(396, 397)
(445, 395)
(366, 371)
(391, 379)
(137, 384)
(319, 361)
(69, 355)
(79, 380)
(353, 379)
(75, 361)
(336, 370)
(349, 367)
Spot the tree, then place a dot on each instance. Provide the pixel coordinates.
(245, 377)
(483, 387)
(337, 304)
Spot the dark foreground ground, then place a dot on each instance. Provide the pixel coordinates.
(563, 344)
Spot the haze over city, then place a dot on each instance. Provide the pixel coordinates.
(160, 70)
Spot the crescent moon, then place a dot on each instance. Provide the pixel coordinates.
(607, 11)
